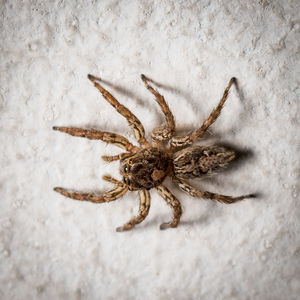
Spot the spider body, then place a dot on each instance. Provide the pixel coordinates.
(146, 166)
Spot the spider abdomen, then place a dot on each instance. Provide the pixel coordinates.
(196, 161)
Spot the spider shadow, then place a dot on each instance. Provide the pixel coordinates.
(205, 214)
(157, 220)
(122, 90)
(203, 220)
(241, 155)
(169, 88)
(239, 91)
(129, 93)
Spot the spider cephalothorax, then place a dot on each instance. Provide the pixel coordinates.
(146, 169)
(147, 166)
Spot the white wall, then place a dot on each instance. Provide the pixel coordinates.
(52, 247)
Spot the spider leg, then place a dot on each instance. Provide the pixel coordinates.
(134, 122)
(92, 134)
(162, 133)
(190, 139)
(186, 187)
(144, 198)
(173, 203)
(112, 180)
(114, 194)
(110, 158)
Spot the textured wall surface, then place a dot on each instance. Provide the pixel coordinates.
(52, 247)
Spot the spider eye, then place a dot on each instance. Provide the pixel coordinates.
(124, 180)
(150, 161)
(125, 168)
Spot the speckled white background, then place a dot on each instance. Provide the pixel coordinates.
(55, 248)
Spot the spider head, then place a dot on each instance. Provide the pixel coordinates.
(145, 169)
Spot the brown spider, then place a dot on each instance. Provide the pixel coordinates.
(147, 166)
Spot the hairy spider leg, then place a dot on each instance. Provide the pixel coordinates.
(133, 121)
(110, 158)
(112, 180)
(173, 203)
(186, 187)
(114, 194)
(144, 199)
(190, 139)
(92, 134)
(161, 133)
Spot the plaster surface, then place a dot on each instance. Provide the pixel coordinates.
(52, 247)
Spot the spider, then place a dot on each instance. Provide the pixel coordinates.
(146, 166)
